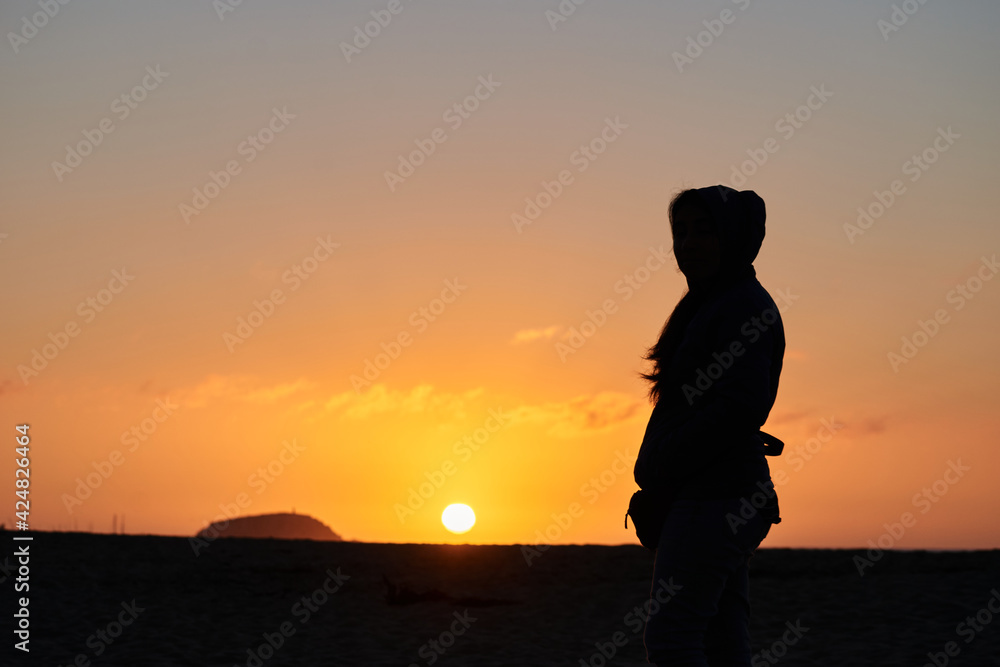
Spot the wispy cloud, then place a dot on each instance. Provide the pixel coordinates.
(421, 399)
(796, 354)
(244, 388)
(528, 335)
(786, 418)
(583, 415)
(869, 425)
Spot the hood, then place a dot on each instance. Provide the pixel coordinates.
(739, 216)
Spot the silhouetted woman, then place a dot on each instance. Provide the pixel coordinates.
(714, 380)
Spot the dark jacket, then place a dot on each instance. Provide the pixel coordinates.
(702, 439)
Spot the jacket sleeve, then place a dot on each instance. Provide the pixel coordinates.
(733, 405)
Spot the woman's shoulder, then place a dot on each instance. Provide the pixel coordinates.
(744, 298)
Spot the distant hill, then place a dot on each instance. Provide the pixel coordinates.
(282, 526)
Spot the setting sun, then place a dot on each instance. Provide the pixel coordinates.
(458, 518)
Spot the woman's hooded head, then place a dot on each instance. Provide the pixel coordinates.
(739, 224)
(739, 218)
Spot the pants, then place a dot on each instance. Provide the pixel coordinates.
(703, 554)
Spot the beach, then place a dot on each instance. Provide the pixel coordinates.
(147, 600)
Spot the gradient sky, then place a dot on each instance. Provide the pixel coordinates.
(572, 422)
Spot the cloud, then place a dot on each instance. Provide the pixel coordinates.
(810, 420)
(421, 399)
(239, 388)
(869, 426)
(528, 335)
(583, 415)
(785, 418)
(277, 392)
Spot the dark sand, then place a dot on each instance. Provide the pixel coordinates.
(210, 609)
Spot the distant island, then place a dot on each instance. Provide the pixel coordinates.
(283, 526)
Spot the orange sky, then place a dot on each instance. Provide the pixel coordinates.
(213, 225)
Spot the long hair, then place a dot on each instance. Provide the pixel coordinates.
(673, 329)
